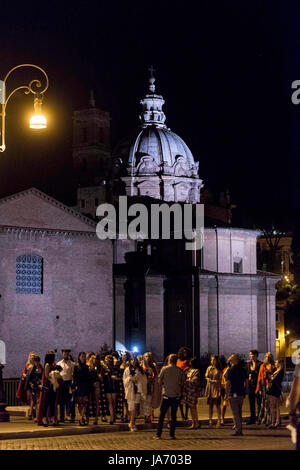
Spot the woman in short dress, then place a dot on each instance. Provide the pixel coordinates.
(111, 379)
(191, 391)
(96, 378)
(82, 384)
(266, 370)
(126, 358)
(213, 377)
(273, 394)
(35, 380)
(135, 386)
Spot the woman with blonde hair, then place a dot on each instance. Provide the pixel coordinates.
(213, 377)
(24, 391)
(152, 399)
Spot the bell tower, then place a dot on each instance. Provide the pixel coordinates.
(91, 145)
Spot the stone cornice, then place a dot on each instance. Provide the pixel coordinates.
(233, 230)
(10, 229)
(225, 276)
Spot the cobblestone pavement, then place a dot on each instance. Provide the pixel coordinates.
(255, 438)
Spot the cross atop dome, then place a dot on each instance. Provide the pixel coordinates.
(92, 103)
(151, 79)
(151, 70)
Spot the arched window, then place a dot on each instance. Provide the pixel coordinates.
(29, 274)
(2, 353)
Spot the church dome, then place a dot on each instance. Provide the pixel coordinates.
(168, 153)
(156, 161)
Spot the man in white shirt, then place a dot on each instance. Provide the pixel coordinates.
(66, 373)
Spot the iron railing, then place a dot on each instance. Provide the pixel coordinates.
(10, 389)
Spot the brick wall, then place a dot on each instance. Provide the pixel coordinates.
(77, 288)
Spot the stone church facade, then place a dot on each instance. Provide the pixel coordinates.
(68, 301)
(61, 286)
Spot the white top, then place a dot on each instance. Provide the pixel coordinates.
(67, 369)
(140, 381)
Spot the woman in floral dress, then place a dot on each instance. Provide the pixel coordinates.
(191, 391)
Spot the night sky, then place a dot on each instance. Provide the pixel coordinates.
(224, 68)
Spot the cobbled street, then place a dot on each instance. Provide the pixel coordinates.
(255, 438)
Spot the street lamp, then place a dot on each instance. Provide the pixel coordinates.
(37, 121)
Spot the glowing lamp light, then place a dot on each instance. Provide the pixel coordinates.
(135, 349)
(38, 121)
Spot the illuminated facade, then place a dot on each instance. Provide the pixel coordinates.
(144, 294)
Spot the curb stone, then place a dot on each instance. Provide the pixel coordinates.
(95, 429)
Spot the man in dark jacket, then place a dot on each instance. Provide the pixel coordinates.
(236, 388)
(254, 399)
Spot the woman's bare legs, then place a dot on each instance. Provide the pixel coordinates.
(223, 413)
(111, 399)
(194, 414)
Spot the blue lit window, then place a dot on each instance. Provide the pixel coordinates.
(29, 274)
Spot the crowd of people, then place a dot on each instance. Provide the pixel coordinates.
(110, 387)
